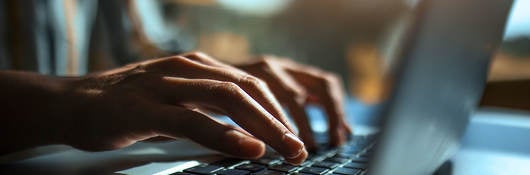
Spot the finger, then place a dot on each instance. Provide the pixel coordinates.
(158, 139)
(248, 83)
(326, 90)
(206, 59)
(301, 119)
(203, 129)
(289, 93)
(255, 87)
(239, 106)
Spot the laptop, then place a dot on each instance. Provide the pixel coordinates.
(439, 77)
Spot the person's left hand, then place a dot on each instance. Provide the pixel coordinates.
(295, 86)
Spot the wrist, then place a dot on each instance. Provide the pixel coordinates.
(33, 110)
(62, 110)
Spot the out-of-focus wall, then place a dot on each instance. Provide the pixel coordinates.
(342, 36)
(355, 39)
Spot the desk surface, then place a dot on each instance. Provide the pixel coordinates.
(496, 142)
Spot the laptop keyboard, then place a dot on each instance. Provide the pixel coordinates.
(349, 159)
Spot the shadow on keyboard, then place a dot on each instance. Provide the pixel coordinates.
(349, 159)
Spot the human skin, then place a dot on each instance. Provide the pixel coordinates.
(173, 97)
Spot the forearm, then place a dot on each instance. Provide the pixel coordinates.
(510, 94)
(32, 110)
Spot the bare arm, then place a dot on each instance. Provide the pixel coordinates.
(32, 110)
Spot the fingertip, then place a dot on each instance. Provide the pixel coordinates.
(298, 159)
(246, 146)
(294, 146)
(348, 129)
(336, 137)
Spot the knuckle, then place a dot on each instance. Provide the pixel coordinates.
(197, 55)
(169, 64)
(229, 86)
(265, 62)
(228, 90)
(254, 81)
(330, 79)
(194, 53)
(174, 60)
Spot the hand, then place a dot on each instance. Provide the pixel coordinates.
(296, 85)
(166, 97)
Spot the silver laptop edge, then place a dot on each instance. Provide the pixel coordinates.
(442, 72)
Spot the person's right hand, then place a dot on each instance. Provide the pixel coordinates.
(165, 97)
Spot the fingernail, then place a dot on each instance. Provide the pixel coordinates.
(294, 145)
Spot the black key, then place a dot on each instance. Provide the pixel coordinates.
(343, 155)
(336, 160)
(346, 171)
(354, 146)
(315, 157)
(314, 170)
(355, 165)
(181, 173)
(284, 167)
(267, 161)
(251, 167)
(366, 156)
(326, 164)
(269, 172)
(305, 163)
(301, 173)
(203, 169)
(227, 162)
(360, 159)
(232, 172)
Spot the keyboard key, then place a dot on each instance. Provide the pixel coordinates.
(326, 164)
(360, 159)
(267, 161)
(301, 174)
(351, 150)
(305, 163)
(229, 162)
(182, 173)
(314, 170)
(284, 167)
(366, 156)
(268, 172)
(355, 165)
(251, 167)
(343, 155)
(203, 169)
(336, 160)
(346, 171)
(232, 172)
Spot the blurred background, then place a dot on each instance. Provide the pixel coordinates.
(356, 39)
